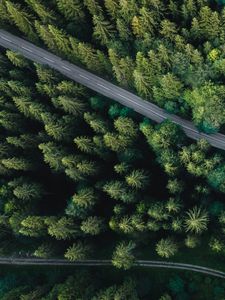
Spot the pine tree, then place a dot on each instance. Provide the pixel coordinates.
(196, 220)
(72, 10)
(85, 197)
(123, 29)
(87, 167)
(103, 30)
(78, 251)
(173, 205)
(17, 59)
(33, 226)
(22, 19)
(45, 73)
(72, 106)
(53, 155)
(115, 189)
(148, 20)
(126, 126)
(122, 168)
(128, 9)
(122, 68)
(63, 229)
(174, 186)
(177, 224)
(112, 7)
(97, 123)
(42, 11)
(209, 23)
(28, 191)
(85, 144)
(45, 34)
(12, 122)
(169, 89)
(137, 179)
(217, 245)
(4, 15)
(191, 241)
(116, 142)
(19, 88)
(70, 88)
(92, 225)
(60, 129)
(144, 75)
(137, 27)
(61, 40)
(24, 141)
(94, 8)
(157, 211)
(168, 29)
(18, 163)
(123, 256)
(125, 225)
(208, 97)
(45, 250)
(23, 105)
(166, 248)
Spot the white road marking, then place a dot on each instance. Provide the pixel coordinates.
(27, 49)
(66, 68)
(48, 59)
(83, 76)
(103, 86)
(5, 39)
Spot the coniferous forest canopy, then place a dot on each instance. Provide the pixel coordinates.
(82, 177)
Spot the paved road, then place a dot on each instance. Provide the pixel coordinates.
(104, 87)
(139, 263)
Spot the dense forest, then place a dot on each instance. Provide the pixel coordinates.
(169, 52)
(83, 177)
(93, 284)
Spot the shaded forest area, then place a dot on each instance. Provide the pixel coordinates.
(169, 52)
(93, 284)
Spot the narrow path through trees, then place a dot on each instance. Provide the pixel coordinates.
(92, 263)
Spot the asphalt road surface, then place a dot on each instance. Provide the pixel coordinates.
(92, 263)
(104, 87)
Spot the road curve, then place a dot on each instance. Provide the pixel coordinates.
(147, 109)
(106, 262)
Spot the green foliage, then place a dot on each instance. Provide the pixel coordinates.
(78, 251)
(166, 248)
(191, 241)
(70, 105)
(123, 256)
(28, 191)
(92, 226)
(19, 164)
(17, 59)
(63, 228)
(72, 10)
(85, 197)
(196, 220)
(33, 226)
(137, 179)
(21, 19)
(45, 250)
(208, 96)
(53, 155)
